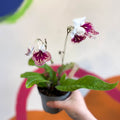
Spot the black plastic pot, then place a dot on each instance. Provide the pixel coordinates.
(45, 99)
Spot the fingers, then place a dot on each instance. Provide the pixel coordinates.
(75, 94)
(72, 99)
(56, 104)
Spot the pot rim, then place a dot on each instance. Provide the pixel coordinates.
(67, 93)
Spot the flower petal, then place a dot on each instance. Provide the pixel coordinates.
(29, 51)
(77, 39)
(89, 29)
(40, 57)
(79, 21)
(80, 31)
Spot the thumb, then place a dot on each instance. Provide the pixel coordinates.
(56, 104)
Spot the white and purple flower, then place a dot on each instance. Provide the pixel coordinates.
(40, 55)
(82, 30)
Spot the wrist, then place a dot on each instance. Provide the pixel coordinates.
(85, 115)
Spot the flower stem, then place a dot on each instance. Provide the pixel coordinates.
(64, 51)
(69, 28)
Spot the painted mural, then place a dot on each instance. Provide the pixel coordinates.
(12, 10)
(47, 19)
(94, 101)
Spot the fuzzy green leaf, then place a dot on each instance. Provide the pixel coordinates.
(89, 82)
(30, 74)
(63, 68)
(54, 78)
(62, 79)
(34, 78)
(48, 70)
(31, 81)
(42, 84)
(31, 62)
(51, 73)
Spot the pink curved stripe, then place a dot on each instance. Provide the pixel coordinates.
(114, 93)
(21, 100)
(23, 93)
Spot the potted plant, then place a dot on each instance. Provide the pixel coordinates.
(55, 85)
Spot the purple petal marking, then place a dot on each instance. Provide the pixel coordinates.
(40, 57)
(28, 52)
(89, 32)
(89, 29)
(77, 38)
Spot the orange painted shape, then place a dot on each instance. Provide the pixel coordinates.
(115, 79)
(41, 115)
(103, 106)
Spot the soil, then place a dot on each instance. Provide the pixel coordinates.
(51, 91)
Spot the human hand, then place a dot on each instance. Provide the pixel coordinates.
(74, 106)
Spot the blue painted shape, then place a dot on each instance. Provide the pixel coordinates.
(9, 7)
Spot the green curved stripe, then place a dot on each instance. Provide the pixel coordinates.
(19, 13)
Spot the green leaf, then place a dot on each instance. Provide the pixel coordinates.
(62, 79)
(31, 81)
(31, 74)
(51, 72)
(34, 78)
(63, 68)
(31, 62)
(42, 84)
(89, 82)
(48, 70)
(54, 79)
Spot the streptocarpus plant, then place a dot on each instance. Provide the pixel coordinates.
(58, 80)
